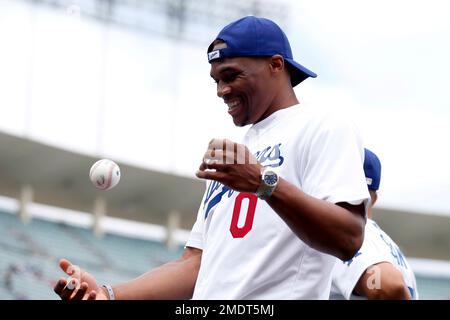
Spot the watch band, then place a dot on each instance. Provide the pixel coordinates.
(264, 194)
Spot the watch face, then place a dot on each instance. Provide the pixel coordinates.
(270, 178)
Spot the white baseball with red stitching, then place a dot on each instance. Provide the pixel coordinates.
(104, 174)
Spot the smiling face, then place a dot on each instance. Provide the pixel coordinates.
(246, 85)
(240, 83)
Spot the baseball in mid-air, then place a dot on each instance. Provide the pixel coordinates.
(104, 174)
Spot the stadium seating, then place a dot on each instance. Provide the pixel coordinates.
(29, 255)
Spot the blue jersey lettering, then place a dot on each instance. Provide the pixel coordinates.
(269, 154)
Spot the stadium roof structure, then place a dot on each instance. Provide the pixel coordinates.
(61, 178)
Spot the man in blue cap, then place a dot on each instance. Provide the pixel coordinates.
(379, 270)
(280, 206)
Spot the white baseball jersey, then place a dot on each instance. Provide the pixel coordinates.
(377, 247)
(248, 250)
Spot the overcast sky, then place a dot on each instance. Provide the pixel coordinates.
(145, 100)
(387, 63)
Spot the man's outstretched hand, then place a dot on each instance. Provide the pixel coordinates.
(80, 285)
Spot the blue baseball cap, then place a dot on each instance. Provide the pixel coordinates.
(372, 169)
(257, 37)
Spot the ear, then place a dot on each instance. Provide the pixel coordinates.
(374, 196)
(277, 63)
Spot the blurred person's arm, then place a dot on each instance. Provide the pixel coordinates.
(391, 285)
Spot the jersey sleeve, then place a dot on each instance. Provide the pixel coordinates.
(195, 239)
(332, 162)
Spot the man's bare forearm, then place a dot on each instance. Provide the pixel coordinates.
(171, 281)
(334, 229)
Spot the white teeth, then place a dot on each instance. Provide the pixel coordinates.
(232, 104)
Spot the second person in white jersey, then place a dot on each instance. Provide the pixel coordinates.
(379, 270)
